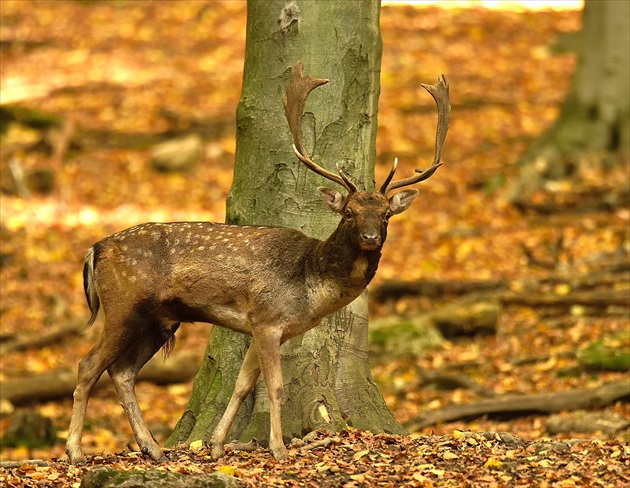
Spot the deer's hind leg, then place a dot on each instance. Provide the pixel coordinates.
(123, 373)
(112, 343)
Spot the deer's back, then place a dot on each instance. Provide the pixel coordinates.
(202, 271)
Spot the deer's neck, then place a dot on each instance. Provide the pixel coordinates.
(342, 262)
(338, 273)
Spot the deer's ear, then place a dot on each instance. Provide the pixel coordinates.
(402, 200)
(332, 198)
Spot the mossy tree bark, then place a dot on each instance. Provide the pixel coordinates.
(594, 121)
(326, 372)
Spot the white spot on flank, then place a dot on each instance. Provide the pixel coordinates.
(201, 248)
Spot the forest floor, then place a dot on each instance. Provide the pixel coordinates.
(122, 76)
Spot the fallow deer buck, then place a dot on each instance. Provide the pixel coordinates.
(271, 283)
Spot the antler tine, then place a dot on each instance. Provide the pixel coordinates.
(348, 182)
(392, 171)
(439, 92)
(294, 100)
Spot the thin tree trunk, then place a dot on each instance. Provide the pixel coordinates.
(326, 372)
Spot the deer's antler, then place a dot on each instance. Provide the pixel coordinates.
(296, 93)
(439, 91)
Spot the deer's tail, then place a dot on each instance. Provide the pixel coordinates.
(89, 283)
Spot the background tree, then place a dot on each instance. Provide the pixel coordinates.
(327, 377)
(594, 121)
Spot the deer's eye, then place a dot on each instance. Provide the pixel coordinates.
(348, 214)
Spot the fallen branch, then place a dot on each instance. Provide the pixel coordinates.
(36, 341)
(321, 443)
(452, 381)
(524, 404)
(604, 298)
(250, 446)
(61, 384)
(29, 462)
(393, 289)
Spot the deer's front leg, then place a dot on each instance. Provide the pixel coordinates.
(268, 344)
(247, 376)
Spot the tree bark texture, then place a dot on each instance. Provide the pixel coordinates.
(595, 117)
(326, 372)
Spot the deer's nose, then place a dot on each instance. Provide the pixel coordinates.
(370, 239)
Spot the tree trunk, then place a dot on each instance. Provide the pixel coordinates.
(594, 121)
(326, 372)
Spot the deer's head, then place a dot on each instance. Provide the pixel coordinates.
(364, 215)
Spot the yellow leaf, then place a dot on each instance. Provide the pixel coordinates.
(562, 289)
(196, 445)
(357, 477)
(360, 454)
(458, 434)
(231, 470)
(492, 462)
(450, 455)
(566, 482)
(419, 477)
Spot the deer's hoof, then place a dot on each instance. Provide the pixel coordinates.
(154, 453)
(75, 456)
(217, 451)
(280, 453)
(77, 459)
